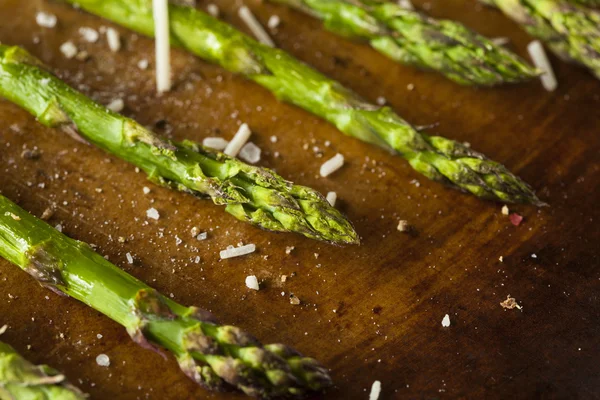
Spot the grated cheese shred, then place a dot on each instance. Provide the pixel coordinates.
(257, 29)
(163, 51)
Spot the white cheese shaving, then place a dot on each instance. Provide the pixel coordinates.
(505, 210)
(238, 141)
(213, 10)
(45, 20)
(375, 391)
(332, 165)
(332, 198)
(216, 143)
(68, 49)
(114, 39)
(152, 213)
(116, 105)
(540, 60)
(274, 22)
(446, 321)
(252, 282)
(3, 329)
(255, 27)
(103, 360)
(163, 50)
(89, 34)
(231, 251)
(250, 153)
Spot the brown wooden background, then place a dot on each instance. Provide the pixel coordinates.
(390, 293)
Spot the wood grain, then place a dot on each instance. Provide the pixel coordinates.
(369, 313)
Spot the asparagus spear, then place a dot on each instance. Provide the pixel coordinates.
(252, 194)
(21, 380)
(215, 356)
(437, 158)
(571, 31)
(411, 38)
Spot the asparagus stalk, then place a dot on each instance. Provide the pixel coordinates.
(437, 158)
(411, 38)
(252, 194)
(215, 356)
(21, 380)
(571, 31)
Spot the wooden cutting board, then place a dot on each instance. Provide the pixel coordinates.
(371, 312)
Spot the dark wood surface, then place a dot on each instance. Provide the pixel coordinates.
(369, 313)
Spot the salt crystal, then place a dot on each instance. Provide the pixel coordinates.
(68, 49)
(202, 236)
(99, 336)
(152, 213)
(3, 329)
(446, 321)
(250, 153)
(252, 282)
(216, 143)
(403, 226)
(89, 34)
(273, 139)
(213, 10)
(143, 64)
(129, 258)
(294, 300)
(103, 360)
(116, 105)
(58, 227)
(231, 251)
(114, 40)
(146, 190)
(375, 391)
(45, 20)
(332, 165)
(381, 100)
(274, 22)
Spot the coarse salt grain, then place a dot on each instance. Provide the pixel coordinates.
(274, 22)
(89, 34)
(59, 227)
(129, 258)
(250, 153)
(446, 321)
(231, 252)
(68, 49)
(202, 236)
(103, 360)
(238, 141)
(257, 30)
(332, 198)
(252, 282)
(143, 64)
(116, 105)
(45, 20)
(3, 329)
(375, 391)
(541, 61)
(146, 190)
(114, 39)
(152, 213)
(332, 165)
(403, 226)
(213, 10)
(406, 4)
(381, 100)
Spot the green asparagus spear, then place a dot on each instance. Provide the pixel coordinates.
(252, 194)
(411, 38)
(21, 380)
(571, 31)
(437, 158)
(213, 355)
